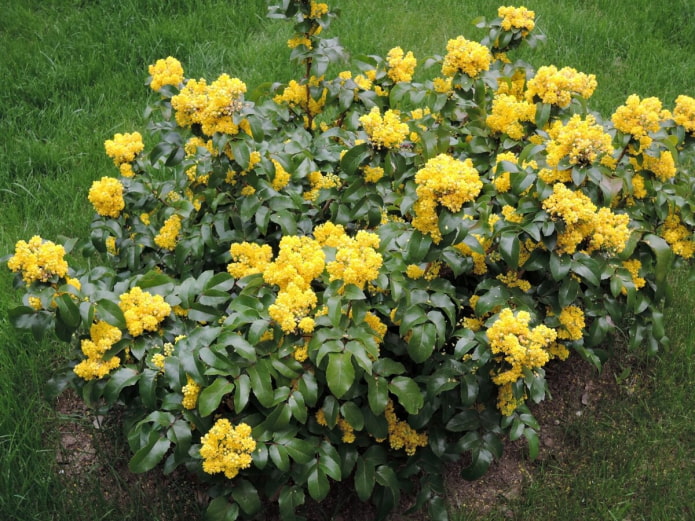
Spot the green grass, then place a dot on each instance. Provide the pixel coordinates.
(74, 75)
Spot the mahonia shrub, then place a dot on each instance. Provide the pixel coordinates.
(358, 278)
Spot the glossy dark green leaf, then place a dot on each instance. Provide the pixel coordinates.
(210, 397)
(246, 495)
(108, 311)
(353, 158)
(150, 455)
(317, 483)
(340, 373)
(118, 380)
(365, 478)
(409, 394)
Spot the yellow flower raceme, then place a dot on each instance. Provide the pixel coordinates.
(318, 9)
(684, 113)
(639, 118)
(226, 448)
(663, 167)
(210, 106)
(634, 266)
(468, 57)
(572, 321)
(506, 403)
(166, 72)
(299, 95)
(678, 236)
(249, 259)
(516, 18)
(38, 260)
(320, 182)
(124, 147)
(190, 393)
(387, 131)
(508, 113)
(102, 337)
(401, 66)
(519, 346)
(106, 195)
(372, 174)
(582, 142)
(557, 87)
(282, 176)
(356, 260)
(143, 311)
(402, 435)
(443, 181)
(169, 233)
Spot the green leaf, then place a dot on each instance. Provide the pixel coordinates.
(68, 312)
(220, 509)
(261, 384)
(353, 158)
(317, 483)
(422, 342)
(377, 394)
(243, 390)
(211, 396)
(240, 345)
(664, 261)
(496, 296)
(542, 114)
(568, 292)
(353, 415)
(364, 479)
(409, 394)
(509, 249)
(468, 420)
(559, 265)
(417, 247)
(588, 269)
(296, 404)
(246, 495)
(150, 455)
(300, 450)
(108, 311)
(533, 442)
(278, 455)
(482, 459)
(329, 461)
(340, 373)
(119, 379)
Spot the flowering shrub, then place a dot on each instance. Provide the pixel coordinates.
(358, 277)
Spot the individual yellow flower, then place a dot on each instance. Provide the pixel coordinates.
(166, 72)
(468, 57)
(38, 260)
(227, 449)
(106, 196)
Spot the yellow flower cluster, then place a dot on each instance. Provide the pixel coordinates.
(299, 261)
(297, 95)
(513, 86)
(143, 311)
(518, 345)
(401, 66)
(508, 113)
(634, 266)
(190, 393)
(582, 142)
(38, 260)
(553, 175)
(347, 429)
(106, 195)
(227, 449)
(211, 106)
(511, 280)
(249, 259)
(388, 131)
(414, 271)
(299, 39)
(320, 182)
(169, 233)
(606, 230)
(166, 72)
(318, 10)
(639, 118)
(102, 337)
(356, 259)
(684, 113)
(556, 87)
(402, 435)
(506, 403)
(663, 167)
(510, 214)
(372, 174)
(124, 147)
(446, 181)
(468, 57)
(572, 321)
(281, 177)
(678, 237)
(479, 265)
(517, 18)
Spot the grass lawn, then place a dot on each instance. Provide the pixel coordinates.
(74, 75)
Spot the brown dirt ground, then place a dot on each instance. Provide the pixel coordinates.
(89, 455)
